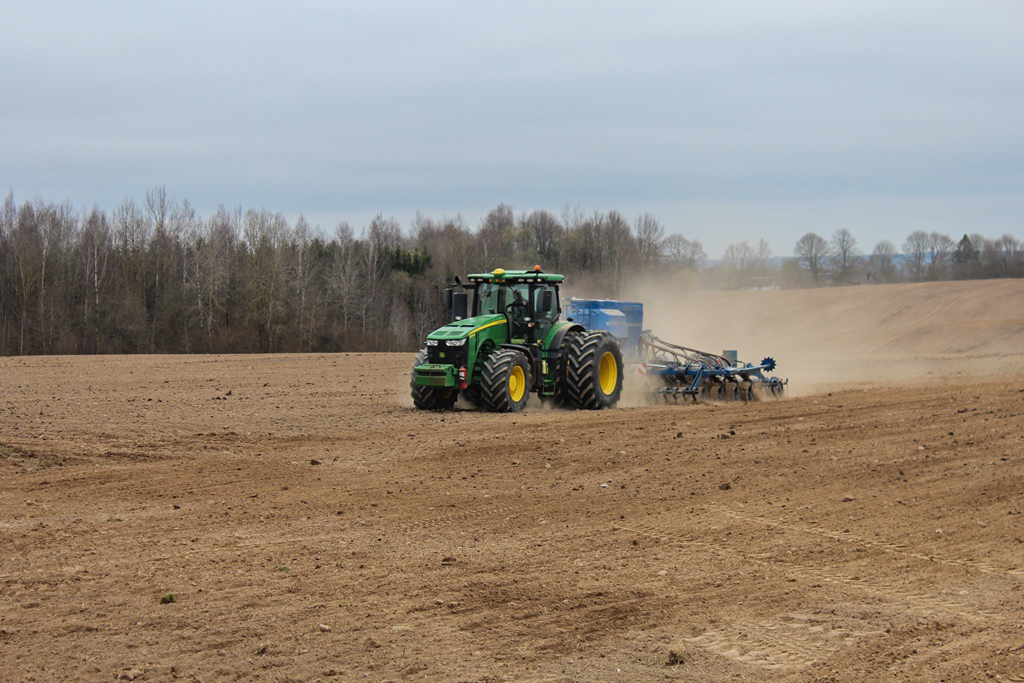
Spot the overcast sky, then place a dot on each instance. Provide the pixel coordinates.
(727, 121)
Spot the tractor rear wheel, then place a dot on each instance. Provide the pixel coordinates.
(430, 398)
(559, 368)
(594, 371)
(505, 381)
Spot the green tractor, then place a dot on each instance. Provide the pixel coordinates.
(506, 340)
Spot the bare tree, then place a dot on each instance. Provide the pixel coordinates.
(131, 230)
(845, 256)
(620, 249)
(306, 273)
(573, 217)
(265, 236)
(7, 217)
(97, 250)
(737, 264)
(763, 256)
(496, 237)
(916, 250)
(649, 233)
(345, 282)
(165, 302)
(544, 232)
(383, 237)
(600, 250)
(449, 243)
(813, 252)
(1004, 257)
(426, 308)
(159, 206)
(210, 260)
(940, 255)
(584, 247)
(26, 261)
(58, 225)
(742, 263)
(882, 262)
(132, 233)
(680, 252)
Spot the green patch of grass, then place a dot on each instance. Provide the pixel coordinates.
(284, 568)
(168, 599)
(13, 452)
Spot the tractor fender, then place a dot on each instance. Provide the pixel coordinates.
(559, 334)
(517, 347)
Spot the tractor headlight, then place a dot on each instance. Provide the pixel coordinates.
(431, 342)
(457, 342)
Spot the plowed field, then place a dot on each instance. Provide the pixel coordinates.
(311, 525)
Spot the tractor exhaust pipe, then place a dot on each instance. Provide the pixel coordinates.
(456, 301)
(460, 305)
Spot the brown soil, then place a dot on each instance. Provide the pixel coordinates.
(311, 525)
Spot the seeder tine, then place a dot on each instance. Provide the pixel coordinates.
(700, 375)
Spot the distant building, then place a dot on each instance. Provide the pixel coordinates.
(763, 284)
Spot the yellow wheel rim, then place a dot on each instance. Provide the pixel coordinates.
(516, 384)
(608, 373)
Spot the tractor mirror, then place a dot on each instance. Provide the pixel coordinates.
(460, 305)
(547, 301)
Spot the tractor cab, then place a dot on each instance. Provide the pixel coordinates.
(528, 302)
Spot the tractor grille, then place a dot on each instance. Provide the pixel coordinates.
(453, 355)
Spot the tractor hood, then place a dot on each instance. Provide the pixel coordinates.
(463, 329)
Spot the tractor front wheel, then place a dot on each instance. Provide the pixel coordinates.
(430, 398)
(505, 381)
(594, 371)
(473, 397)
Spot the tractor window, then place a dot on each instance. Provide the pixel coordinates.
(487, 298)
(492, 298)
(519, 294)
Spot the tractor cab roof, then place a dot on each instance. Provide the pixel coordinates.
(509, 277)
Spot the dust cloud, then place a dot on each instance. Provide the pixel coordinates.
(837, 337)
(848, 336)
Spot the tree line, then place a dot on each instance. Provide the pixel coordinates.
(925, 256)
(156, 277)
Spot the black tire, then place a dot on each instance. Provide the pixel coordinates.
(430, 398)
(473, 397)
(594, 371)
(505, 382)
(559, 369)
